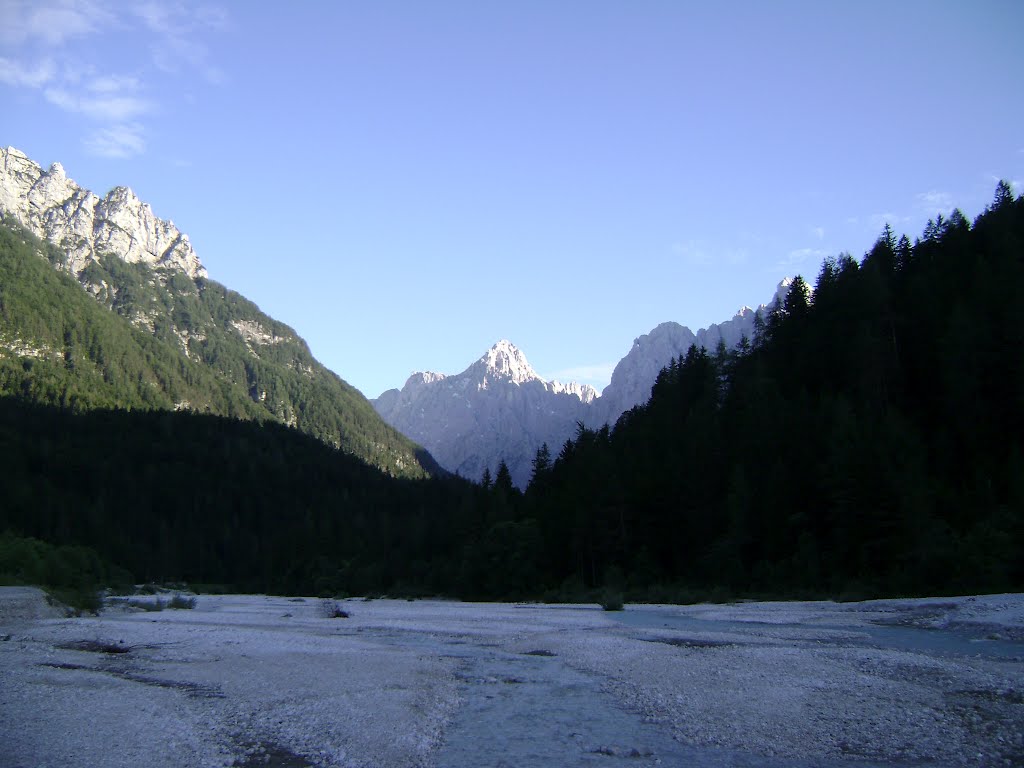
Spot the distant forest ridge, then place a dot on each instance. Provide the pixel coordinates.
(867, 441)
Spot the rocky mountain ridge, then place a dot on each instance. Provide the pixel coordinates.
(53, 207)
(634, 375)
(150, 329)
(499, 409)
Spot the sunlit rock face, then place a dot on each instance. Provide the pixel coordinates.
(498, 409)
(636, 373)
(83, 225)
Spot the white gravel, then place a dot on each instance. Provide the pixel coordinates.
(256, 680)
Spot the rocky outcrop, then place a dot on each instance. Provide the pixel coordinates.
(635, 374)
(499, 409)
(496, 410)
(55, 208)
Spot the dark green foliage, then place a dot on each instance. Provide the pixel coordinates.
(868, 442)
(72, 574)
(165, 341)
(182, 497)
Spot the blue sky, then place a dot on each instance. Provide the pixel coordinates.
(405, 183)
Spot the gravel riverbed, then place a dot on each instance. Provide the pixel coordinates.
(273, 681)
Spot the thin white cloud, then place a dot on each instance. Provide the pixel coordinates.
(113, 84)
(800, 257)
(1015, 184)
(21, 76)
(117, 141)
(44, 51)
(178, 30)
(690, 252)
(105, 107)
(51, 23)
(933, 200)
(818, 232)
(877, 221)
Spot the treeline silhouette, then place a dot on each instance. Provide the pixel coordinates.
(865, 442)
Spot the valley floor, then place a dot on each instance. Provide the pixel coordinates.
(255, 680)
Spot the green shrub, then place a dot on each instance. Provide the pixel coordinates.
(611, 600)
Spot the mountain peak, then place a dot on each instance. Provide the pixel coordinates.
(83, 225)
(506, 360)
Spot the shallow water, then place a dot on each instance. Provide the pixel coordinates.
(532, 711)
(938, 642)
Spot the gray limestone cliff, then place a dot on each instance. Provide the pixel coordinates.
(634, 375)
(496, 410)
(499, 409)
(83, 225)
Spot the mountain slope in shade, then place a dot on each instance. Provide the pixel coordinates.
(166, 336)
(498, 409)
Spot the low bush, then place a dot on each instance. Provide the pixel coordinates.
(611, 600)
(329, 609)
(181, 602)
(148, 605)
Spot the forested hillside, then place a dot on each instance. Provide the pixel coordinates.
(867, 441)
(206, 499)
(150, 338)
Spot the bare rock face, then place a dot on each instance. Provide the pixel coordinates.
(499, 409)
(496, 410)
(635, 374)
(55, 208)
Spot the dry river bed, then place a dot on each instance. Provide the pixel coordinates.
(271, 681)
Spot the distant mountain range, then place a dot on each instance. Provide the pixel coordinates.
(496, 410)
(500, 410)
(151, 330)
(129, 319)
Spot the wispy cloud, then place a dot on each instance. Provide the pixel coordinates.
(1015, 184)
(877, 221)
(106, 106)
(117, 141)
(22, 76)
(50, 23)
(818, 232)
(934, 201)
(178, 44)
(44, 52)
(690, 252)
(113, 84)
(800, 257)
